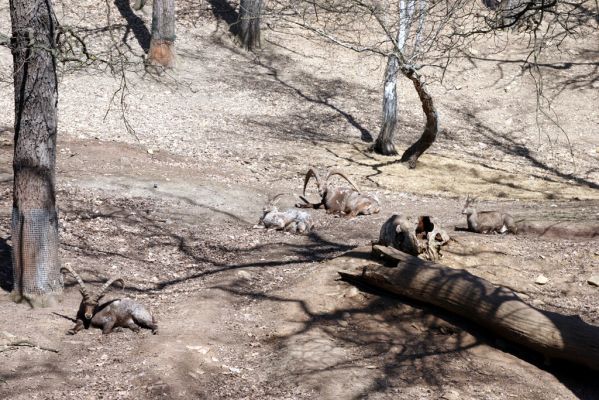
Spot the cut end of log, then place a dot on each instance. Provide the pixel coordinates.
(162, 53)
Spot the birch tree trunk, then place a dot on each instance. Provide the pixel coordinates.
(36, 266)
(249, 17)
(162, 44)
(384, 142)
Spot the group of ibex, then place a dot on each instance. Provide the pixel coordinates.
(351, 202)
(346, 201)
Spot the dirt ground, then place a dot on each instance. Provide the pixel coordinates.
(249, 314)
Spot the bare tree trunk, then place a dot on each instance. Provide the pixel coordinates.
(384, 142)
(249, 16)
(162, 44)
(36, 265)
(431, 129)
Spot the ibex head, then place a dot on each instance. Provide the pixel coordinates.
(468, 207)
(89, 301)
(272, 203)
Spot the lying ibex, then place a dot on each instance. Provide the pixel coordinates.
(487, 221)
(290, 220)
(340, 200)
(117, 313)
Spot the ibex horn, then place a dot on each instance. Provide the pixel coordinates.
(312, 173)
(333, 172)
(275, 199)
(107, 285)
(82, 287)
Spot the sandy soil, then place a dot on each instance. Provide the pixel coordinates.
(245, 313)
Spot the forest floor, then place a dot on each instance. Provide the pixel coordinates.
(249, 314)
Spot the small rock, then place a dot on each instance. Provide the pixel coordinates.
(244, 275)
(451, 395)
(541, 280)
(342, 323)
(593, 280)
(150, 151)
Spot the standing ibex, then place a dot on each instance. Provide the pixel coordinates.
(487, 221)
(125, 312)
(340, 200)
(290, 220)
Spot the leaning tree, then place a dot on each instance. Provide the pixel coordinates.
(407, 33)
(36, 265)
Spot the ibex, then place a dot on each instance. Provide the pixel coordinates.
(487, 221)
(290, 220)
(340, 200)
(116, 313)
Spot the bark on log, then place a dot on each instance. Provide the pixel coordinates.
(496, 308)
(559, 229)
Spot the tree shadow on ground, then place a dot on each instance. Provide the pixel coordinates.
(509, 146)
(206, 255)
(408, 341)
(6, 273)
(322, 98)
(134, 24)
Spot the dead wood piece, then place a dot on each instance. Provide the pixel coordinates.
(25, 343)
(423, 239)
(496, 308)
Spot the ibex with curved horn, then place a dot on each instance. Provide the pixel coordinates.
(290, 220)
(125, 312)
(340, 200)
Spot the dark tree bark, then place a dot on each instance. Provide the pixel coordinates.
(249, 17)
(431, 129)
(384, 142)
(162, 44)
(36, 266)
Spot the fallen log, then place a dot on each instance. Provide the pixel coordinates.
(559, 229)
(496, 308)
